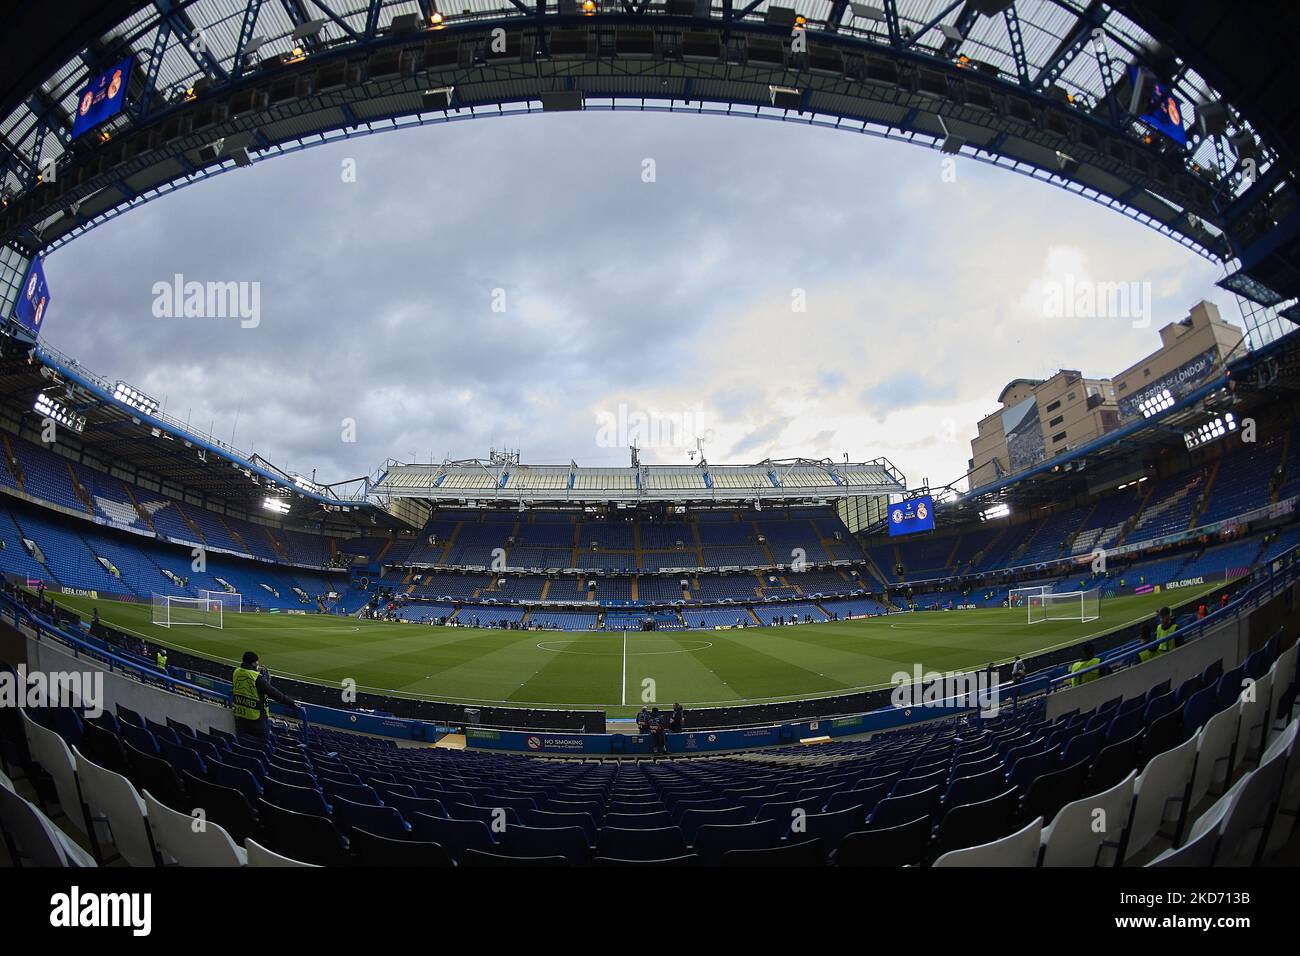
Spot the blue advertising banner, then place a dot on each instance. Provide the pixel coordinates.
(911, 516)
(33, 299)
(1179, 383)
(103, 98)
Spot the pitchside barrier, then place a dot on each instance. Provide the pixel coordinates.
(704, 741)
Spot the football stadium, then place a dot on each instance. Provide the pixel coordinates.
(723, 649)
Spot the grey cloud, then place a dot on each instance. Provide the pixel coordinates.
(376, 294)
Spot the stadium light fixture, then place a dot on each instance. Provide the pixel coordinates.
(439, 98)
(997, 511)
(306, 30)
(1067, 163)
(306, 484)
(867, 12)
(785, 97)
(1161, 401)
(278, 505)
(951, 144)
(1210, 431)
(57, 412)
(130, 395)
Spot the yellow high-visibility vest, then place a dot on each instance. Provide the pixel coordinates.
(1165, 636)
(1082, 665)
(247, 700)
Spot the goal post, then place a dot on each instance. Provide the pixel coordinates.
(174, 610)
(1081, 606)
(232, 602)
(1019, 597)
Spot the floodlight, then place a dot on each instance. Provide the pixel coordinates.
(130, 395)
(1210, 431)
(278, 505)
(310, 28)
(57, 412)
(1155, 404)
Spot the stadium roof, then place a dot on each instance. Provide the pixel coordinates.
(124, 428)
(791, 480)
(1039, 86)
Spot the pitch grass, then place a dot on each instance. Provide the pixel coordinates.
(607, 671)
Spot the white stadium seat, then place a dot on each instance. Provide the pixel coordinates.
(1253, 730)
(259, 855)
(178, 842)
(1073, 839)
(52, 753)
(1018, 849)
(1160, 795)
(38, 841)
(112, 801)
(1214, 754)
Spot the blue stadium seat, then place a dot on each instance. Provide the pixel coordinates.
(381, 821)
(640, 844)
(298, 799)
(455, 836)
(567, 842)
(903, 844)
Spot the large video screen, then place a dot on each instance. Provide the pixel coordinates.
(103, 98)
(33, 300)
(1163, 112)
(911, 516)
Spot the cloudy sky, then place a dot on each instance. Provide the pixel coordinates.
(565, 284)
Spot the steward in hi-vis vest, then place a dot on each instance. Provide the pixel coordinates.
(1165, 631)
(250, 689)
(1090, 659)
(161, 659)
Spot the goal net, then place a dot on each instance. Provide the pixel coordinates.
(175, 610)
(1082, 606)
(232, 602)
(1019, 597)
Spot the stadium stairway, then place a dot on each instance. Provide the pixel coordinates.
(80, 490)
(1203, 503)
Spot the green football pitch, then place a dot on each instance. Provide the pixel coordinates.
(607, 670)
